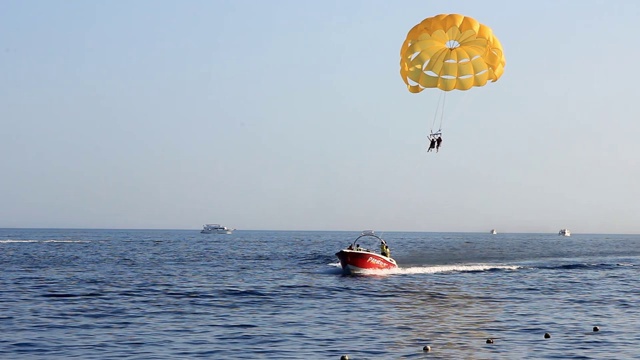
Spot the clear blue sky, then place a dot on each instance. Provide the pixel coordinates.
(293, 115)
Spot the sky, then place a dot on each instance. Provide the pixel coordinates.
(292, 115)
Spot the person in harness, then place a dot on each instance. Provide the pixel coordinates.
(432, 143)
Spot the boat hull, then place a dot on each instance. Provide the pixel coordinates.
(356, 261)
(227, 232)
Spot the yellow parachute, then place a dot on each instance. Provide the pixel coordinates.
(448, 52)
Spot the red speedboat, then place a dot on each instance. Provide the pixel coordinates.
(356, 259)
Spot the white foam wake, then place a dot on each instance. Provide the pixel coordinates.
(40, 241)
(451, 268)
(436, 269)
(17, 241)
(64, 241)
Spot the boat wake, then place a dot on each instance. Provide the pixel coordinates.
(437, 269)
(453, 268)
(9, 241)
(18, 241)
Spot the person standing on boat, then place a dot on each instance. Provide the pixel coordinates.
(384, 249)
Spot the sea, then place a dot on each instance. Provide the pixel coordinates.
(179, 294)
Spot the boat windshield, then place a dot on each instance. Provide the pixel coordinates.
(367, 241)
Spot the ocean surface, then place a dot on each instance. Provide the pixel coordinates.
(165, 294)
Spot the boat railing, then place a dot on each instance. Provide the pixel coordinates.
(366, 234)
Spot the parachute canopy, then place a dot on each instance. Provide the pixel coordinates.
(448, 52)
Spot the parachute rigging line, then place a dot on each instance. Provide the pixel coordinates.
(439, 108)
(444, 99)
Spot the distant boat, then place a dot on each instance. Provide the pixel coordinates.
(215, 229)
(564, 232)
(493, 231)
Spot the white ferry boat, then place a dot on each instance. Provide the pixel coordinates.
(215, 229)
(564, 232)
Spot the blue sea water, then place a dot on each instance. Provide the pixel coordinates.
(164, 294)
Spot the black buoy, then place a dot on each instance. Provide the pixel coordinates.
(489, 341)
(427, 348)
(595, 328)
(547, 335)
(344, 357)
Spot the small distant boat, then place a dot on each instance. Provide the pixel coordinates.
(215, 229)
(564, 232)
(493, 231)
(356, 259)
